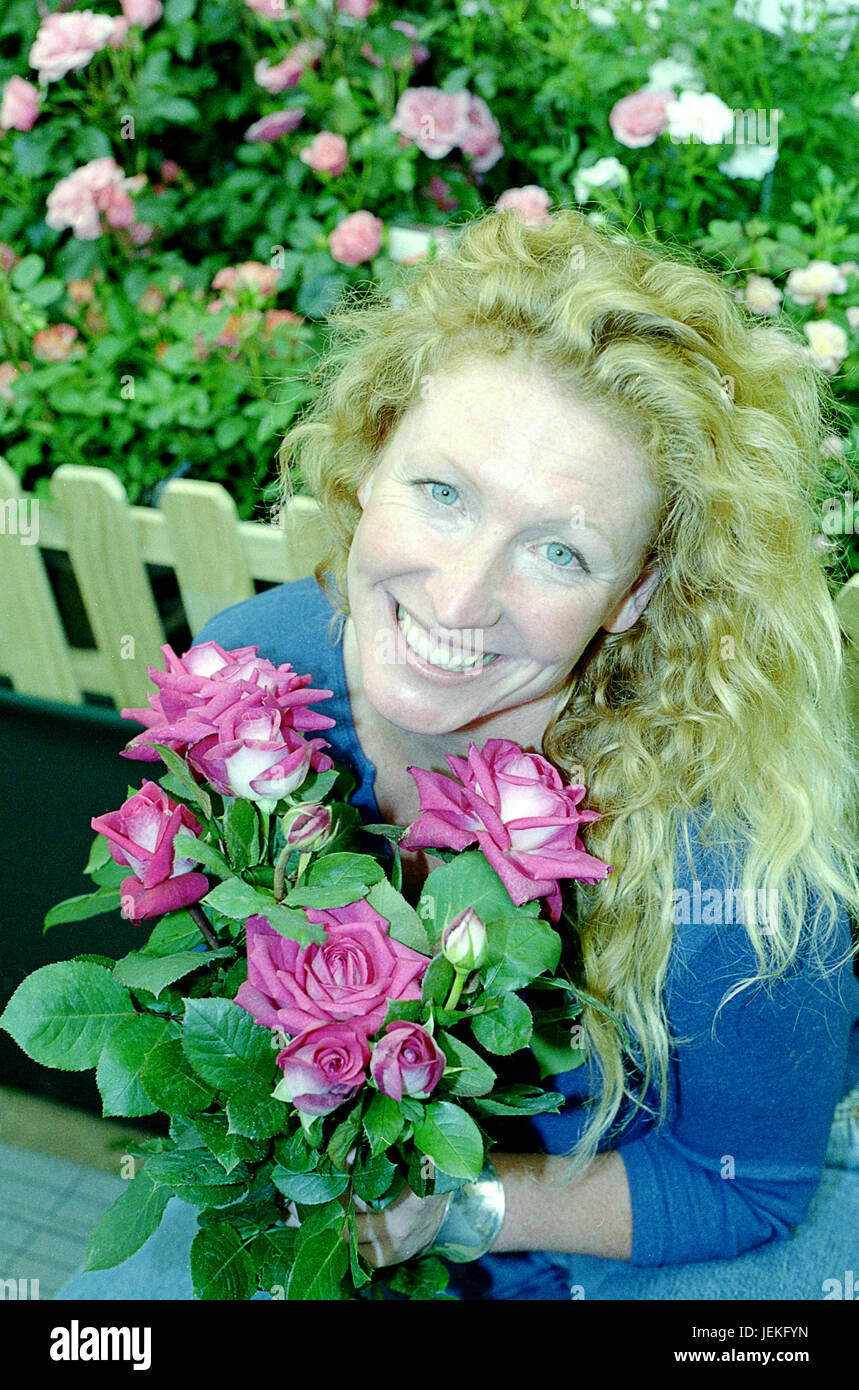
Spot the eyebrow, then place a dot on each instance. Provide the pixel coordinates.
(417, 457)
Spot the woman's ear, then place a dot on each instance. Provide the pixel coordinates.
(631, 607)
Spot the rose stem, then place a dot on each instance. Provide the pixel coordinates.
(456, 989)
(202, 921)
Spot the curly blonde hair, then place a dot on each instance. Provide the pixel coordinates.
(726, 697)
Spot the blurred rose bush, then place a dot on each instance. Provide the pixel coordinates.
(192, 184)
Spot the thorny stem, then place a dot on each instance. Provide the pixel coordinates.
(202, 921)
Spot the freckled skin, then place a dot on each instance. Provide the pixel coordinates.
(486, 551)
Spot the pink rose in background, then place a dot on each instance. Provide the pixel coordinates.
(254, 753)
(20, 105)
(482, 140)
(8, 373)
(358, 9)
(56, 343)
(120, 32)
(323, 1068)
(357, 238)
(65, 42)
(347, 979)
(198, 688)
(142, 12)
(638, 119)
(439, 191)
(327, 154)
(418, 55)
(79, 200)
(516, 807)
(433, 119)
(249, 275)
(140, 836)
(288, 71)
(407, 1061)
(270, 9)
(531, 202)
(276, 124)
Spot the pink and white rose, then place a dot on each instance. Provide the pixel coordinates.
(357, 238)
(65, 42)
(407, 1061)
(255, 754)
(20, 105)
(328, 153)
(250, 275)
(640, 118)
(516, 807)
(142, 13)
(347, 979)
(55, 343)
(482, 140)
(140, 836)
(98, 189)
(433, 119)
(287, 72)
(323, 1067)
(531, 202)
(275, 125)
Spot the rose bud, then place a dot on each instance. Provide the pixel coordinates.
(464, 941)
(406, 1061)
(307, 828)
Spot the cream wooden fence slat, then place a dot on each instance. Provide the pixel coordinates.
(102, 542)
(202, 523)
(33, 649)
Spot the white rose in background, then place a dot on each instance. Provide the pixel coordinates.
(674, 72)
(816, 282)
(606, 173)
(762, 295)
(828, 344)
(750, 162)
(802, 16)
(699, 116)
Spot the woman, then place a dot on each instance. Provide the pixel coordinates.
(572, 489)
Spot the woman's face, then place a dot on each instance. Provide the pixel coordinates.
(502, 526)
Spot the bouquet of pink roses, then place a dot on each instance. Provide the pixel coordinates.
(315, 1039)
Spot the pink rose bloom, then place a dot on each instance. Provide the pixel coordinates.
(531, 202)
(142, 12)
(323, 1068)
(638, 119)
(357, 238)
(433, 119)
(273, 126)
(327, 154)
(65, 42)
(418, 55)
(439, 191)
(249, 275)
(197, 689)
(78, 200)
(254, 753)
(483, 136)
(407, 1061)
(120, 32)
(55, 344)
(358, 9)
(20, 105)
(347, 979)
(288, 71)
(140, 836)
(516, 807)
(270, 9)
(8, 259)
(8, 373)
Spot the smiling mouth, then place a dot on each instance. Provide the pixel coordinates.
(448, 656)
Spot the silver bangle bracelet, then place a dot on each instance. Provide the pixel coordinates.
(473, 1220)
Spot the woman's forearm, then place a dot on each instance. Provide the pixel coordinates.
(591, 1215)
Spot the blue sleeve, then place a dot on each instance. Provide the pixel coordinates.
(752, 1098)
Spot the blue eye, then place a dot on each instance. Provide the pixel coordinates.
(560, 554)
(444, 493)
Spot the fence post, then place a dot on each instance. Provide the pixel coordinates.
(202, 523)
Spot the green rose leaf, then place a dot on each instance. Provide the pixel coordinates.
(195, 1175)
(475, 1078)
(241, 832)
(320, 1264)
(194, 847)
(229, 1149)
(225, 1045)
(372, 1177)
(383, 1123)
(128, 1224)
(437, 981)
(339, 870)
(469, 880)
(221, 1265)
(176, 931)
(451, 1139)
(171, 1083)
(505, 1029)
(405, 924)
(84, 905)
(552, 1046)
(63, 1014)
(182, 773)
(142, 970)
(520, 948)
(123, 1058)
(309, 1188)
(252, 1112)
(239, 900)
(273, 1254)
(520, 1099)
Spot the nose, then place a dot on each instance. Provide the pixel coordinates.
(463, 585)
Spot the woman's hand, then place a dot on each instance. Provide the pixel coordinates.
(402, 1230)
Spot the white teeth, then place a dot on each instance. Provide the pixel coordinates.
(417, 639)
